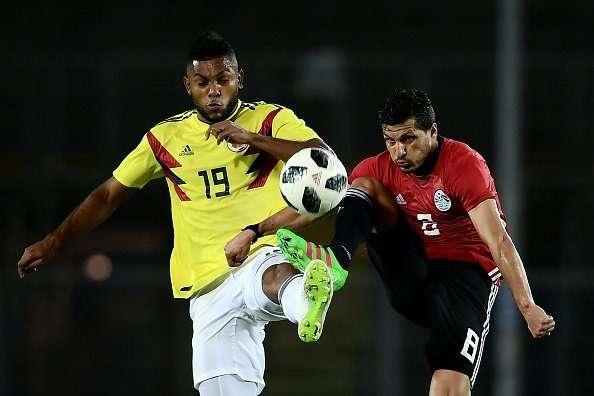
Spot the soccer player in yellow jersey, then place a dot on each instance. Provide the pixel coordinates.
(221, 162)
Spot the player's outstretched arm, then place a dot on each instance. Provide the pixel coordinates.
(238, 248)
(487, 222)
(94, 210)
(279, 148)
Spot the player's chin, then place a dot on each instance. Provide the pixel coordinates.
(213, 115)
(407, 168)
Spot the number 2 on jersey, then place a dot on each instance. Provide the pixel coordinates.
(429, 227)
(219, 177)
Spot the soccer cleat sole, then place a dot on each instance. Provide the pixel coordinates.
(318, 291)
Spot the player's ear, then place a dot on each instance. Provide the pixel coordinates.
(186, 82)
(240, 78)
(433, 130)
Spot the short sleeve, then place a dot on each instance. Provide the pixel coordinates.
(286, 125)
(473, 182)
(366, 168)
(139, 167)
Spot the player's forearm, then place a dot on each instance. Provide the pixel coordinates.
(281, 148)
(94, 210)
(89, 214)
(510, 264)
(285, 218)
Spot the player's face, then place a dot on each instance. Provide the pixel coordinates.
(409, 146)
(214, 87)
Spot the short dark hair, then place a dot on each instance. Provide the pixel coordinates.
(209, 45)
(403, 104)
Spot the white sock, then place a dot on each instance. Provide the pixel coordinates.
(292, 298)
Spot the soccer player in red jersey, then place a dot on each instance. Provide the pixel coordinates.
(442, 265)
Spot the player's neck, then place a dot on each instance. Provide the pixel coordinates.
(432, 158)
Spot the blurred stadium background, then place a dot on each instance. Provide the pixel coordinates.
(514, 79)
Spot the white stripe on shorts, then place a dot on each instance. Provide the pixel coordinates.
(492, 295)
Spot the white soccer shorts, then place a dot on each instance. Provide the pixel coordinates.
(229, 322)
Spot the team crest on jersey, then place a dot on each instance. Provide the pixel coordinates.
(237, 147)
(442, 202)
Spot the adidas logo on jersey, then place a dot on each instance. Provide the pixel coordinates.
(400, 200)
(186, 151)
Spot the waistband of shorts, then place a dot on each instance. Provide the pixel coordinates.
(218, 281)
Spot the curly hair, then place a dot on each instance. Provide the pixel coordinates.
(210, 45)
(403, 104)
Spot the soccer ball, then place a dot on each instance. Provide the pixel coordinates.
(313, 181)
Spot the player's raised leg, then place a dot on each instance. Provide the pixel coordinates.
(318, 292)
(304, 297)
(366, 205)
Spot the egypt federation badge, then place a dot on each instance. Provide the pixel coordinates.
(442, 202)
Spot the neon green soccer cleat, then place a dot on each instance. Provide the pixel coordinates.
(300, 252)
(318, 291)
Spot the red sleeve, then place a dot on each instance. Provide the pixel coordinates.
(473, 182)
(366, 168)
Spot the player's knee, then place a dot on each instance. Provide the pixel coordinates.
(274, 276)
(369, 185)
(385, 210)
(449, 383)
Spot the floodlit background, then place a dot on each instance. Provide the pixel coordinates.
(514, 79)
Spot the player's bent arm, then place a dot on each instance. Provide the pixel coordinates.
(94, 210)
(238, 248)
(486, 220)
(283, 149)
(285, 218)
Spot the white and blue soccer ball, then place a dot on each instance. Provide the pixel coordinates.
(313, 181)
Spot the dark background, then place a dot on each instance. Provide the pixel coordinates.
(81, 85)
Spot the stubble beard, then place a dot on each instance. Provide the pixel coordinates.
(226, 112)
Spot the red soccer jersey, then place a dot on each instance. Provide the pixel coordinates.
(436, 206)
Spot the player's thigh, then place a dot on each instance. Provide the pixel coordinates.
(461, 297)
(399, 260)
(226, 338)
(225, 385)
(257, 303)
(448, 382)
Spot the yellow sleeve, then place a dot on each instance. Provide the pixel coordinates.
(139, 167)
(288, 126)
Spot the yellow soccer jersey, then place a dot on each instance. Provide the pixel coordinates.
(215, 190)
